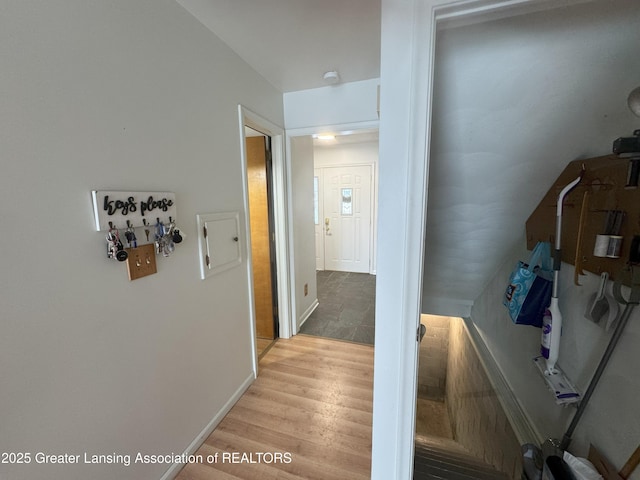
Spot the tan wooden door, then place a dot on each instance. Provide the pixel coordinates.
(260, 237)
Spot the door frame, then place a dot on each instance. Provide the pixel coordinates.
(318, 173)
(407, 76)
(280, 179)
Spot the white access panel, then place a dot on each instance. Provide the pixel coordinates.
(219, 242)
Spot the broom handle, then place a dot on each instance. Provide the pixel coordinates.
(566, 439)
(631, 464)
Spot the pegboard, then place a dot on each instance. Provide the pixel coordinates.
(585, 213)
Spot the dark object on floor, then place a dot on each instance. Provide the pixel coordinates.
(557, 469)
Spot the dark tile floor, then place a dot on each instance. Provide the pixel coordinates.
(346, 309)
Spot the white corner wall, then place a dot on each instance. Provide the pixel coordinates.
(132, 96)
(340, 104)
(610, 421)
(403, 164)
(303, 228)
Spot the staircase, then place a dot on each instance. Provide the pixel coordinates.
(441, 459)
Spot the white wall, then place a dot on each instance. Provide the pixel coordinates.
(406, 55)
(514, 101)
(354, 154)
(303, 227)
(358, 153)
(611, 421)
(333, 105)
(115, 95)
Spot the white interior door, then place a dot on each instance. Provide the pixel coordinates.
(347, 218)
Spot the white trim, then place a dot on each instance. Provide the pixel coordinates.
(291, 252)
(480, 11)
(340, 127)
(319, 174)
(403, 166)
(522, 426)
(281, 216)
(215, 421)
(407, 74)
(305, 316)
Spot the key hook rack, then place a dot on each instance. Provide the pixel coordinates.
(131, 210)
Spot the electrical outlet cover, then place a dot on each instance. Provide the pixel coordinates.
(141, 261)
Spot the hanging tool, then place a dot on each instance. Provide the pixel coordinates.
(630, 466)
(581, 226)
(598, 305)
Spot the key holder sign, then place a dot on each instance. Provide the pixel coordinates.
(123, 209)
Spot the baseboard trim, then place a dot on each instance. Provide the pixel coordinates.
(202, 436)
(305, 316)
(521, 424)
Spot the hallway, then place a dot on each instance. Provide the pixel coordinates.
(346, 309)
(310, 406)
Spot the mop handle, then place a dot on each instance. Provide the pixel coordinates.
(557, 253)
(563, 194)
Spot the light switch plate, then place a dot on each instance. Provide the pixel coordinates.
(141, 261)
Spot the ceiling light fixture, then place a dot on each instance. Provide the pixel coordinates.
(634, 101)
(629, 147)
(332, 77)
(325, 137)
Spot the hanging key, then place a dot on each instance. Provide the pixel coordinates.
(115, 249)
(146, 229)
(131, 237)
(127, 235)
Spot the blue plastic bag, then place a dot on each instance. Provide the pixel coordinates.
(528, 293)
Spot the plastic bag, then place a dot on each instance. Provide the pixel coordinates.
(529, 289)
(581, 468)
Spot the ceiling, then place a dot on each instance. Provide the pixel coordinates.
(292, 43)
(515, 100)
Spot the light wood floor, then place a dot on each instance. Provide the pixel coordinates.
(313, 400)
(262, 344)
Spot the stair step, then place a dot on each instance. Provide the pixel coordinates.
(462, 459)
(450, 462)
(430, 472)
(446, 444)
